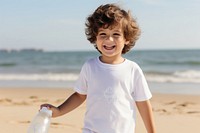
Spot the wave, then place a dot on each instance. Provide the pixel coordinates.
(40, 77)
(171, 62)
(189, 76)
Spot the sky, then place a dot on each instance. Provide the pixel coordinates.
(58, 25)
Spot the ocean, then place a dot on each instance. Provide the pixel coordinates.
(61, 69)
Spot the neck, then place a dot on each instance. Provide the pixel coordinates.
(111, 60)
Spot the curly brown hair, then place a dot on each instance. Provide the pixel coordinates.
(110, 15)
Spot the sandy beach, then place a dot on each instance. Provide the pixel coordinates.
(173, 113)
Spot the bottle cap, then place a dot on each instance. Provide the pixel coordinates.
(46, 110)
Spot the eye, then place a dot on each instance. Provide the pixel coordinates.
(116, 34)
(102, 34)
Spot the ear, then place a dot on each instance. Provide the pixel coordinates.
(127, 42)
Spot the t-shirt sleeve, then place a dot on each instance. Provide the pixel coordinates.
(141, 90)
(81, 84)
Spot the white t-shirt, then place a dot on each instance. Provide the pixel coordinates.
(111, 93)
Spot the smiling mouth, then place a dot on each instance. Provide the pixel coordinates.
(109, 47)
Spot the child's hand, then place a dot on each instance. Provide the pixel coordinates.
(49, 106)
(55, 110)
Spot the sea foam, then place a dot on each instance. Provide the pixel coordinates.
(38, 77)
(189, 76)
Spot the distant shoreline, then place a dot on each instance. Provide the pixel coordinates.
(21, 50)
(45, 50)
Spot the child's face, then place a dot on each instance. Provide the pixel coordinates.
(111, 41)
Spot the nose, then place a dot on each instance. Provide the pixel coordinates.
(110, 38)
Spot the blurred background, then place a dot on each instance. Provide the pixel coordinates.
(43, 44)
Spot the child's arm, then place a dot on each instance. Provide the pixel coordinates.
(70, 104)
(146, 113)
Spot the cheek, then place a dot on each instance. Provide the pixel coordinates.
(98, 44)
(121, 42)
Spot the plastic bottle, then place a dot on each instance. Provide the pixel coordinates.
(41, 122)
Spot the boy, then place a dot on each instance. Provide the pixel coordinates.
(110, 84)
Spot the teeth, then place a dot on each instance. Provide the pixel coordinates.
(109, 47)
